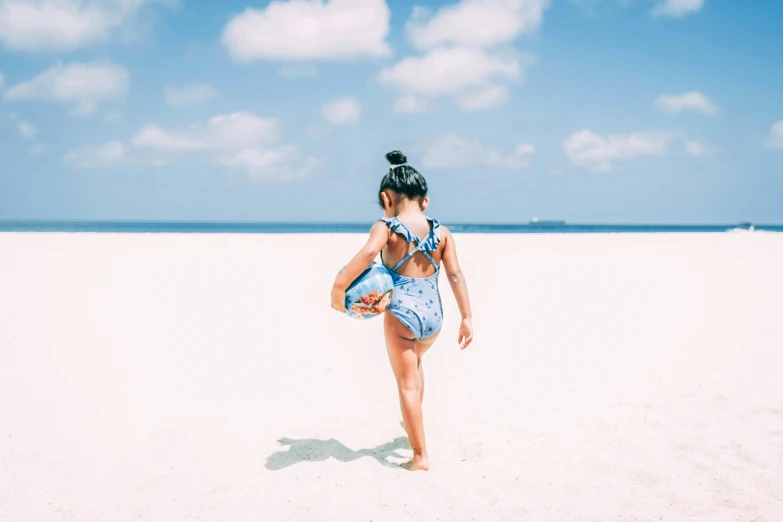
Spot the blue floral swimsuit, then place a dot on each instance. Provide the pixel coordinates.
(416, 300)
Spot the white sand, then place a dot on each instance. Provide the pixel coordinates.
(613, 377)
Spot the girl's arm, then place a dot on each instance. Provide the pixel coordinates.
(379, 236)
(459, 287)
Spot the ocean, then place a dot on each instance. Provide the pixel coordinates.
(193, 227)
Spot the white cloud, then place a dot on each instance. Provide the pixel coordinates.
(476, 23)
(63, 25)
(81, 85)
(342, 112)
(448, 71)
(234, 131)
(26, 130)
(189, 94)
(284, 162)
(775, 138)
(484, 99)
(455, 151)
(256, 158)
(467, 53)
(113, 153)
(310, 30)
(689, 101)
(586, 149)
(2, 80)
(154, 137)
(411, 104)
(471, 75)
(677, 8)
(696, 148)
(240, 140)
(661, 8)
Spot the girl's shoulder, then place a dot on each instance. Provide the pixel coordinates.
(444, 233)
(431, 240)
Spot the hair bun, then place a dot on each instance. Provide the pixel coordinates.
(396, 157)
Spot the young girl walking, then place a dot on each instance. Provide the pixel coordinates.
(412, 247)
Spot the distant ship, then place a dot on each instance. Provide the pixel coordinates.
(547, 222)
(745, 225)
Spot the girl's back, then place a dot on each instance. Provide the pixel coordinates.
(417, 224)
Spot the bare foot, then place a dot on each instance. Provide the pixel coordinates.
(419, 463)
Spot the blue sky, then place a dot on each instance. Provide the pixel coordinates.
(593, 111)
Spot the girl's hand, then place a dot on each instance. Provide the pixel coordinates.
(338, 299)
(465, 334)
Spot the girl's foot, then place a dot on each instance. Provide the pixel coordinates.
(419, 463)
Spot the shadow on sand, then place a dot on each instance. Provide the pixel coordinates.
(309, 450)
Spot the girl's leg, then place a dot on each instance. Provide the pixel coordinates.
(404, 362)
(421, 348)
(421, 378)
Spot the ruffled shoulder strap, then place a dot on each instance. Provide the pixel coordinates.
(395, 225)
(433, 238)
(429, 244)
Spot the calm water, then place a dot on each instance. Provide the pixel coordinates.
(331, 228)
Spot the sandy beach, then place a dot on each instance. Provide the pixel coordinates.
(173, 377)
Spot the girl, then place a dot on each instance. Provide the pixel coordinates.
(412, 246)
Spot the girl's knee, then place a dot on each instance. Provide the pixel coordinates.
(410, 382)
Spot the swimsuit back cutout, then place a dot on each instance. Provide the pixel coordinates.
(425, 246)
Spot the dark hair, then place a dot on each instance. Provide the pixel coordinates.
(402, 178)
